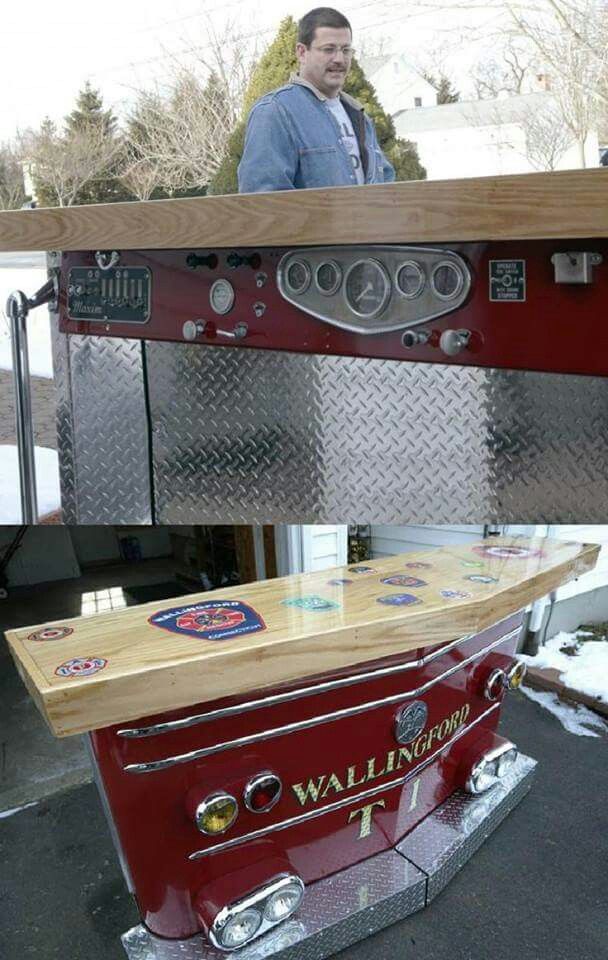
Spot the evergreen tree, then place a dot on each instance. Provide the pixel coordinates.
(444, 88)
(272, 71)
(89, 114)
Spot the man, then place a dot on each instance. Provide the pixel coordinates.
(310, 133)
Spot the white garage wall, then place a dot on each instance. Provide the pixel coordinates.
(388, 539)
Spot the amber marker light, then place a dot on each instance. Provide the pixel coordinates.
(216, 813)
(516, 675)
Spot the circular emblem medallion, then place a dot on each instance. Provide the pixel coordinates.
(81, 667)
(51, 633)
(209, 619)
(410, 721)
(506, 552)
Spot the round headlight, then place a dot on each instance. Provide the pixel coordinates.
(482, 777)
(283, 903)
(240, 928)
(216, 813)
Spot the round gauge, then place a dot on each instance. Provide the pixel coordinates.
(368, 288)
(328, 277)
(410, 279)
(447, 280)
(297, 276)
(221, 296)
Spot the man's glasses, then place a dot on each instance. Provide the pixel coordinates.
(330, 50)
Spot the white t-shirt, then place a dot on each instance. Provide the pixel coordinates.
(347, 135)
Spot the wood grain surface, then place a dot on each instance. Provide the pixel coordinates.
(561, 204)
(146, 668)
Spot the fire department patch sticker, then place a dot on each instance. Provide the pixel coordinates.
(401, 580)
(81, 667)
(51, 633)
(361, 570)
(311, 603)
(418, 565)
(455, 594)
(399, 599)
(210, 620)
(481, 578)
(337, 582)
(507, 552)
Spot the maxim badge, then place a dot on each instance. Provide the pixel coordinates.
(410, 721)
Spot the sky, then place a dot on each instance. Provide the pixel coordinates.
(48, 51)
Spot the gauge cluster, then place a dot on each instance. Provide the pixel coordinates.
(377, 290)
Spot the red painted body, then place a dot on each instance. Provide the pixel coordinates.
(559, 327)
(178, 896)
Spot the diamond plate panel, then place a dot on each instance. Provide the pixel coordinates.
(255, 436)
(103, 432)
(445, 840)
(335, 912)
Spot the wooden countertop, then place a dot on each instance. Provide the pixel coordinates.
(122, 665)
(562, 204)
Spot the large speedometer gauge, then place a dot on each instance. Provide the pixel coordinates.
(367, 288)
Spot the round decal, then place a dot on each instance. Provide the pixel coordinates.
(399, 599)
(201, 621)
(418, 565)
(338, 582)
(401, 580)
(506, 552)
(51, 633)
(81, 667)
(312, 602)
(481, 578)
(361, 570)
(410, 721)
(455, 594)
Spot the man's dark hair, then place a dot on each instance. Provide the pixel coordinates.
(320, 17)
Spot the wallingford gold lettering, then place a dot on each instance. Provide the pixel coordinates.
(329, 784)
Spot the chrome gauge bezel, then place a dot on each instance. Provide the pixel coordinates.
(421, 279)
(385, 296)
(298, 291)
(226, 287)
(337, 284)
(453, 266)
(395, 311)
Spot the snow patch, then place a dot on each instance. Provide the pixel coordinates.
(574, 718)
(47, 482)
(38, 326)
(584, 668)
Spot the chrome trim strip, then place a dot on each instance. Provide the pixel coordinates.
(153, 765)
(338, 804)
(171, 725)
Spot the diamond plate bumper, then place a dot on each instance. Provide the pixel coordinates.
(359, 901)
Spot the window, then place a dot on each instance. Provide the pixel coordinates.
(417, 101)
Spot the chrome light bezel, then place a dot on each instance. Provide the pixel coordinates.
(203, 808)
(259, 781)
(488, 765)
(254, 901)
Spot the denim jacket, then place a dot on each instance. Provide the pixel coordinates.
(293, 141)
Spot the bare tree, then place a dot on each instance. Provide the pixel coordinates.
(12, 187)
(547, 136)
(64, 163)
(507, 74)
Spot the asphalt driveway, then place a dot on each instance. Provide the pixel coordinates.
(536, 890)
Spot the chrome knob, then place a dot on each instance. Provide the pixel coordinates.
(412, 339)
(193, 329)
(453, 341)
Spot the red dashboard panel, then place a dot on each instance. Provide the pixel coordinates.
(516, 309)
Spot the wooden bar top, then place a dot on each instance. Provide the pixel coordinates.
(122, 665)
(562, 204)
